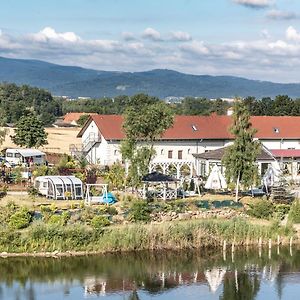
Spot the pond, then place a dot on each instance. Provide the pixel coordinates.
(248, 274)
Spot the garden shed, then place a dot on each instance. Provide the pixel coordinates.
(59, 187)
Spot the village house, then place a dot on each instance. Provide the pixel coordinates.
(191, 135)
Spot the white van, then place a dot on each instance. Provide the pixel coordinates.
(21, 156)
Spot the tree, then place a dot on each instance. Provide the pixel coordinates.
(239, 159)
(3, 133)
(81, 121)
(145, 120)
(30, 132)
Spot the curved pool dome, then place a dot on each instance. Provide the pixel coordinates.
(59, 187)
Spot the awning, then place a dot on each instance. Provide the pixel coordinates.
(30, 152)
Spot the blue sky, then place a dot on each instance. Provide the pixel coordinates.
(257, 39)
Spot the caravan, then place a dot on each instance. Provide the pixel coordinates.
(25, 156)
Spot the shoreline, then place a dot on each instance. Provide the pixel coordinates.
(70, 241)
(59, 254)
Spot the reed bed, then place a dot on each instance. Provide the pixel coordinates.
(192, 234)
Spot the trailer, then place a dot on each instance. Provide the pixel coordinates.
(25, 156)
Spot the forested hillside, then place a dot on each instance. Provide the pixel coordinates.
(76, 81)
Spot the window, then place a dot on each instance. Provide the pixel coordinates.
(189, 151)
(179, 154)
(170, 154)
(9, 154)
(116, 152)
(161, 151)
(264, 168)
(276, 130)
(18, 155)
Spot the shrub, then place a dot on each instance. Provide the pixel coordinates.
(20, 219)
(40, 171)
(66, 217)
(262, 209)
(56, 219)
(32, 191)
(59, 219)
(139, 212)
(281, 210)
(3, 193)
(87, 214)
(99, 222)
(46, 212)
(294, 214)
(110, 210)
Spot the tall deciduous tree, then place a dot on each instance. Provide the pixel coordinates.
(145, 120)
(30, 132)
(239, 159)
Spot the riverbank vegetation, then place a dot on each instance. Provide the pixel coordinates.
(130, 227)
(200, 234)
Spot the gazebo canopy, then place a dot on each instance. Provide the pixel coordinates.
(158, 177)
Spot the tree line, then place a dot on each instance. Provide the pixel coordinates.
(281, 105)
(17, 101)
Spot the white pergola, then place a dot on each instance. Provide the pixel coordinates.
(177, 164)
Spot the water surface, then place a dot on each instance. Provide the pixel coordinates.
(182, 275)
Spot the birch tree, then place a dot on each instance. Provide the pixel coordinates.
(240, 157)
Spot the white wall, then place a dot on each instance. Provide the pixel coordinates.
(188, 148)
(108, 152)
(281, 144)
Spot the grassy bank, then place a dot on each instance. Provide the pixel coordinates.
(200, 234)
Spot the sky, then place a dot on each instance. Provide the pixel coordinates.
(256, 39)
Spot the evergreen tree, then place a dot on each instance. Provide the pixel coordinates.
(239, 159)
(30, 132)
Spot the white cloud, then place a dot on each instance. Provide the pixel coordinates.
(292, 34)
(128, 36)
(276, 14)
(196, 47)
(152, 34)
(265, 34)
(181, 36)
(255, 3)
(274, 59)
(49, 33)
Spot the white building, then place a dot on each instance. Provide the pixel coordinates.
(102, 135)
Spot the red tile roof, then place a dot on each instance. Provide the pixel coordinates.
(204, 127)
(74, 116)
(290, 153)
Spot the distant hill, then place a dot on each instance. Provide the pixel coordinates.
(76, 81)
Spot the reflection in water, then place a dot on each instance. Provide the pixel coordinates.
(215, 277)
(144, 275)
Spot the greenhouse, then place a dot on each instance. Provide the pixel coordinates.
(59, 187)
